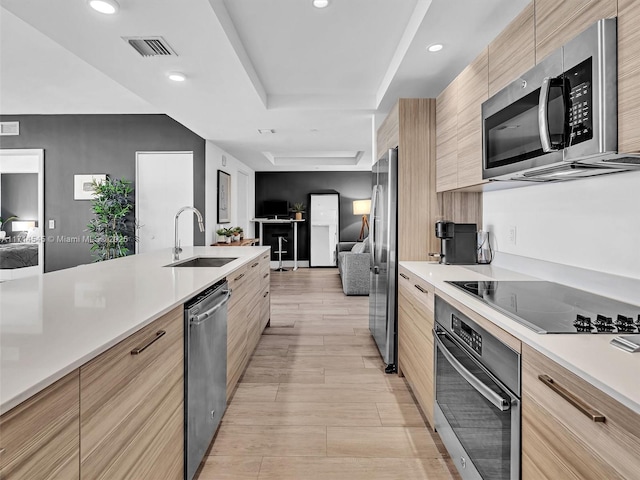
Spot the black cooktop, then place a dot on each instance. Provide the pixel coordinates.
(548, 307)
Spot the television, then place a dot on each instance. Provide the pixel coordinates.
(275, 208)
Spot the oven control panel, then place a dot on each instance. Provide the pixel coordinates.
(467, 334)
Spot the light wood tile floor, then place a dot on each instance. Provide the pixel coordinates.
(315, 403)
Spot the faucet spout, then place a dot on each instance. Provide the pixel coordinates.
(176, 247)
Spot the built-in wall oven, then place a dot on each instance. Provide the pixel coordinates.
(477, 397)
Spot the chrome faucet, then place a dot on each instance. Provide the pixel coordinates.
(176, 248)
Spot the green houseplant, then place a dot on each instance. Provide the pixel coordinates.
(111, 230)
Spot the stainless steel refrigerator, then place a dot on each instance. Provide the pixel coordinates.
(383, 238)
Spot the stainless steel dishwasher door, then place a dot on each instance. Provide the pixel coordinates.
(206, 371)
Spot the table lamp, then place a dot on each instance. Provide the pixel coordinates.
(362, 207)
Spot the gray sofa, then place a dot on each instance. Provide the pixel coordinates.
(353, 268)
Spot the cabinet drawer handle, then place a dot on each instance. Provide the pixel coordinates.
(238, 277)
(266, 256)
(265, 275)
(265, 294)
(421, 289)
(255, 264)
(404, 276)
(2, 450)
(139, 350)
(585, 409)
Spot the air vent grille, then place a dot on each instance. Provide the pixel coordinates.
(151, 46)
(9, 128)
(624, 160)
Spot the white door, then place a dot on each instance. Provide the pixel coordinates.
(243, 201)
(164, 184)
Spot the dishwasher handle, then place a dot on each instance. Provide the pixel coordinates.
(199, 319)
(497, 400)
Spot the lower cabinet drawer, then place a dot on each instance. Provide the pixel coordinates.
(571, 429)
(131, 405)
(39, 438)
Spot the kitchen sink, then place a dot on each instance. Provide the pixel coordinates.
(203, 262)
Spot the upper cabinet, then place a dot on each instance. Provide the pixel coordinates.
(459, 127)
(513, 52)
(558, 22)
(628, 72)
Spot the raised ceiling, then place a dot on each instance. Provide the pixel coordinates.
(321, 79)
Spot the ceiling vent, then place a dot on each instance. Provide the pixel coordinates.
(9, 128)
(151, 46)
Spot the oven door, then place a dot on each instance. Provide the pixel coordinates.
(477, 417)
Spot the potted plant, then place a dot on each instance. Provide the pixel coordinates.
(237, 234)
(221, 232)
(298, 209)
(2, 222)
(228, 234)
(111, 230)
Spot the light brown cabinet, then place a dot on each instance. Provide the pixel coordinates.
(513, 52)
(459, 127)
(558, 22)
(415, 338)
(628, 74)
(410, 126)
(248, 314)
(561, 441)
(131, 405)
(40, 438)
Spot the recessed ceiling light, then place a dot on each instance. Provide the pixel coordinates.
(436, 47)
(177, 76)
(108, 7)
(266, 131)
(320, 3)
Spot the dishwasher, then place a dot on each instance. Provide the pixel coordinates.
(205, 386)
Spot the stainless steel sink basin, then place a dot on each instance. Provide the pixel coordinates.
(203, 262)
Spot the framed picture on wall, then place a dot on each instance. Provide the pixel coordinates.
(224, 197)
(83, 185)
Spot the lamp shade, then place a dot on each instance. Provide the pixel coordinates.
(361, 207)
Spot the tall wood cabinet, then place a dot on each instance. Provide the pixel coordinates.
(628, 74)
(410, 126)
(40, 438)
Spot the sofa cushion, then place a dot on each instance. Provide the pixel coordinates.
(358, 247)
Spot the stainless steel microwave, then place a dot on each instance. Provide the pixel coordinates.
(559, 120)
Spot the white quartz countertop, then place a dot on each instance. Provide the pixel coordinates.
(53, 323)
(591, 357)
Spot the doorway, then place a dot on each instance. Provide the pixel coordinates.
(164, 184)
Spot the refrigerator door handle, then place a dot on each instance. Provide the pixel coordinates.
(372, 231)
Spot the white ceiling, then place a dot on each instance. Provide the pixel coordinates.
(322, 79)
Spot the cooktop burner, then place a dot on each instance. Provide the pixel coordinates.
(548, 307)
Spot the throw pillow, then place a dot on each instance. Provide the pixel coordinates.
(366, 245)
(358, 247)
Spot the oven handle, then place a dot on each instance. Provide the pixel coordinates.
(498, 401)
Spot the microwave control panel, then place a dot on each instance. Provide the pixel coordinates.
(467, 334)
(580, 103)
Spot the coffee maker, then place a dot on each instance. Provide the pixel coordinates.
(458, 242)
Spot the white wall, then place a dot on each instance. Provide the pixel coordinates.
(213, 163)
(592, 223)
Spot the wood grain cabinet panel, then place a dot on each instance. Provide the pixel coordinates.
(132, 408)
(559, 441)
(447, 138)
(558, 22)
(473, 84)
(237, 327)
(388, 133)
(513, 52)
(415, 338)
(40, 436)
(628, 74)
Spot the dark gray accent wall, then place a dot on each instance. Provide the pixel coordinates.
(19, 196)
(85, 144)
(296, 187)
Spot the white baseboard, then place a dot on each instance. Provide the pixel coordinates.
(289, 264)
